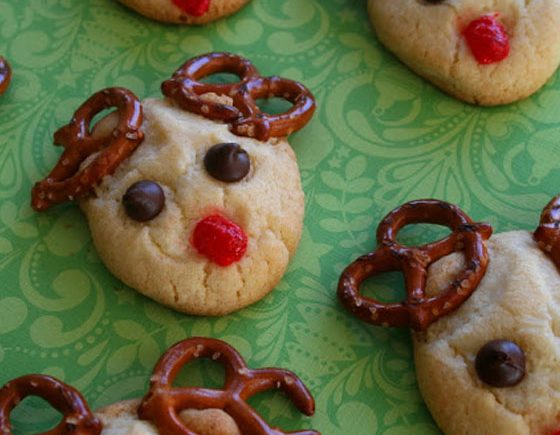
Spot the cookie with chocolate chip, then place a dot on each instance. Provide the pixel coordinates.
(185, 11)
(485, 52)
(492, 366)
(198, 218)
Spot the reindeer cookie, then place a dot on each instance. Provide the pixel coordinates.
(486, 52)
(196, 200)
(185, 11)
(166, 409)
(488, 363)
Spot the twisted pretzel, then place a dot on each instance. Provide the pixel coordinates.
(244, 116)
(547, 234)
(163, 402)
(417, 311)
(5, 75)
(69, 180)
(77, 417)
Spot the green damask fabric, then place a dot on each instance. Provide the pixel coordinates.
(381, 136)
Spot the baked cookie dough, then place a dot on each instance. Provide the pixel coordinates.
(121, 419)
(195, 200)
(157, 256)
(185, 11)
(430, 37)
(517, 300)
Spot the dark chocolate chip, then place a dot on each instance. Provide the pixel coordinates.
(227, 162)
(144, 200)
(500, 363)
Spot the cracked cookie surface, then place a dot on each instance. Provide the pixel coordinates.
(427, 36)
(517, 300)
(167, 11)
(157, 257)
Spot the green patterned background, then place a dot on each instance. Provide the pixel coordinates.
(381, 136)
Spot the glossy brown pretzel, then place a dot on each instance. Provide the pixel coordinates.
(547, 233)
(244, 116)
(163, 402)
(5, 75)
(69, 180)
(417, 311)
(77, 417)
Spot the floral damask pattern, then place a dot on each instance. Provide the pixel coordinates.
(381, 136)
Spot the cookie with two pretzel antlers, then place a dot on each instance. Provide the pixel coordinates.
(167, 409)
(485, 52)
(194, 200)
(485, 313)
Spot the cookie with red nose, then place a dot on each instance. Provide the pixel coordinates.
(486, 52)
(194, 200)
(185, 11)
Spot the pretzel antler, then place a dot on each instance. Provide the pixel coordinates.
(186, 89)
(77, 417)
(245, 117)
(417, 311)
(69, 180)
(547, 233)
(163, 402)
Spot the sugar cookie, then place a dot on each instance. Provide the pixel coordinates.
(185, 11)
(486, 52)
(490, 364)
(516, 301)
(195, 200)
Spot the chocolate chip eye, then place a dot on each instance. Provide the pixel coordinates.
(500, 363)
(434, 2)
(144, 200)
(227, 162)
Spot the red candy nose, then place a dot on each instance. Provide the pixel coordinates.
(487, 39)
(219, 240)
(196, 8)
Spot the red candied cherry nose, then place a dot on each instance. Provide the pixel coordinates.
(219, 240)
(195, 8)
(487, 39)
